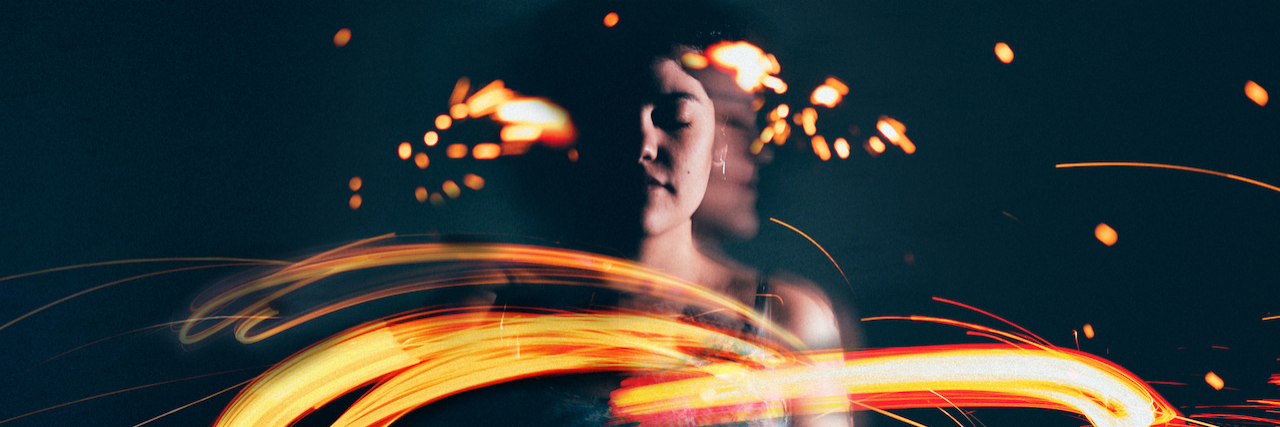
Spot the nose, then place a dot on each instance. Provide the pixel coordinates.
(649, 135)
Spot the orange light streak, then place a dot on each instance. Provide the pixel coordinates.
(451, 189)
(355, 201)
(520, 133)
(488, 98)
(443, 122)
(486, 151)
(458, 111)
(821, 148)
(342, 37)
(431, 138)
(766, 135)
(404, 151)
(1214, 381)
(838, 85)
(1004, 52)
(1256, 93)
(842, 148)
(1106, 234)
(749, 65)
(611, 19)
(693, 61)
(875, 145)
(991, 315)
(1164, 166)
(421, 160)
(460, 89)
(456, 151)
(824, 251)
(473, 181)
(809, 120)
(355, 183)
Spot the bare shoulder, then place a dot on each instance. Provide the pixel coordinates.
(805, 310)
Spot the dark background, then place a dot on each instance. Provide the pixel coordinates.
(146, 129)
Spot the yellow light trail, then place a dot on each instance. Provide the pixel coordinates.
(1164, 166)
(824, 251)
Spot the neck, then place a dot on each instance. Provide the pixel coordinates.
(672, 252)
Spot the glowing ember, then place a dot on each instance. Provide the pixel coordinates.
(779, 87)
(473, 181)
(1004, 52)
(443, 121)
(421, 160)
(1106, 234)
(342, 37)
(757, 146)
(875, 145)
(1088, 331)
(693, 61)
(783, 110)
(826, 96)
(489, 97)
(1256, 93)
(748, 63)
(355, 183)
(838, 85)
(486, 151)
(460, 91)
(573, 154)
(1214, 381)
(405, 151)
(431, 138)
(611, 19)
(437, 200)
(842, 148)
(821, 148)
(520, 133)
(456, 151)
(451, 189)
(809, 120)
(458, 111)
(536, 116)
(421, 194)
(355, 201)
(895, 132)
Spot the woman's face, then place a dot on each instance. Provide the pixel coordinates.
(678, 127)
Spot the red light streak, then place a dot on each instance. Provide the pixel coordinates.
(1164, 166)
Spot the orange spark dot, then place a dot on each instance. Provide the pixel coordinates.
(875, 144)
(573, 154)
(443, 121)
(773, 82)
(1214, 381)
(1088, 331)
(421, 160)
(458, 111)
(611, 19)
(1004, 52)
(826, 96)
(842, 148)
(456, 151)
(355, 183)
(341, 39)
(838, 85)
(693, 60)
(757, 146)
(460, 90)
(1256, 93)
(421, 194)
(749, 64)
(486, 151)
(1105, 234)
(451, 189)
(473, 181)
(431, 138)
(520, 133)
(405, 151)
(766, 135)
(906, 145)
(889, 131)
(355, 201)
(437, 200)
(809, 120)
(820, 148)
(783, 110)
(487, 98)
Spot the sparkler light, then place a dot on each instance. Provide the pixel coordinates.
(1088, 331)
(421, 160)
(486, 151)
(431, 138)
(404, 150)
(420, 193)
(355, 201)
(874, 145)
(1164, 166)
(451, 189)
(821, 148)
(611, 19)
(473, 181)
(750, 67)
(842, 148)
(1105, 234)
(456, 151)
(443, 122)
(1214, 381)
(1004, 52)
(355, 183)
(342, 37)
(1255, 93)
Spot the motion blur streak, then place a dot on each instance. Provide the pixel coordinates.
(446, 265)
(1164, 166)
(750, 66)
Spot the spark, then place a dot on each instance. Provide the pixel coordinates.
(825, 95)
(1270, 318)
(355, 201)
(443, 122)
(895, 132)
(783, 110)
(1088, 331)
(611, 19)
(404, 150)
(1164, 166)
(1004, 52)
(821, 148)
(809, 120)
(486, 151)
(420, 193)
(355, 183)
(693, 61)
(824, 251)
(171, 412)
(437, 200)
(1105, 234)
(1256, 93)
(488, 98)
(456, 151)
(749, 65)
(520, 133)
(431, 138)
(875, 145)
(842, 148)
(342, 37)
(421, 160)
(991, 315)
(451, 189)
(120, 391)
(473, 181)
(573, 154)
(458, 111)
(460, 89)
(1214, 381)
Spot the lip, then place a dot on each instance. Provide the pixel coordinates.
(653, 183)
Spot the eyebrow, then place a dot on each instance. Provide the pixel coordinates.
(674, 97)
